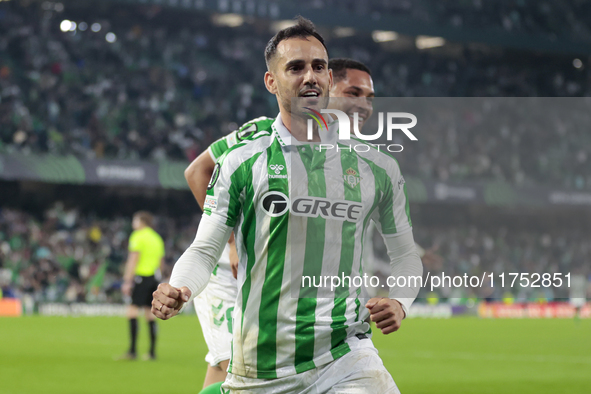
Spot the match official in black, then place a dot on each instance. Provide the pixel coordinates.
(146, 255)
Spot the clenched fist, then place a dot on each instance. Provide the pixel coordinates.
(169, 300)
(386, 313)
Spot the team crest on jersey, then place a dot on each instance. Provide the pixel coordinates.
(351, 177)
(277, 169)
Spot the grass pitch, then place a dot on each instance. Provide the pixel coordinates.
(461, 355)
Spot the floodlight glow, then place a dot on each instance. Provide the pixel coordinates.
(425, 42)
(65, 25)
(577, 63)
(96, 27)
(384, 36)
(111, 37)
(230, 20)
(344, 31)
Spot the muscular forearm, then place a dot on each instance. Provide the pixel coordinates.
(404, 261)
(195, 266)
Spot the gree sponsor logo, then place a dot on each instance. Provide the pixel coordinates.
(276, 204)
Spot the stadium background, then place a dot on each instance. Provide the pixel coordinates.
(104, 103)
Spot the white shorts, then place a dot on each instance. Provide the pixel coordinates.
(214, 307)
(360, 371)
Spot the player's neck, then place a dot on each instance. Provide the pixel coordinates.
(297, 126)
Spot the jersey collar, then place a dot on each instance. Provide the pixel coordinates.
(285, 138)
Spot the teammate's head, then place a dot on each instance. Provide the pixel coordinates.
(352, 79)
(297, 65)
(142, 219)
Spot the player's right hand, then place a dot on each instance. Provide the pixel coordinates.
(126, 288)
(167, 300)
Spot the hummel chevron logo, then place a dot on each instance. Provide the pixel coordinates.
(277, 168)
(218, 308)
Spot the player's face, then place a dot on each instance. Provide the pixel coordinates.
(358, 86)
(136, 223)
(300, 69)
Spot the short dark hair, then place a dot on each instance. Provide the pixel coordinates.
(303, 28)
(340, 66)
(145, 216)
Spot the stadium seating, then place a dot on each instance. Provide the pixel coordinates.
(165, 90)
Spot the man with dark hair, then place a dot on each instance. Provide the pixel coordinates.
(281, 343)
(353, 90)
(303, 29)
(146, 254)
(341, 66)
(214, 305)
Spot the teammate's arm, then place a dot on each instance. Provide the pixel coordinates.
(130, 264)
(198, 175)
(233, 256)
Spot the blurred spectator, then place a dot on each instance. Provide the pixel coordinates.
(167, 83)
(69, 257)
(63, 258)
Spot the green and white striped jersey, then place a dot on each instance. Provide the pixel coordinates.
(250, 130)
(299, 210)
(256, 127)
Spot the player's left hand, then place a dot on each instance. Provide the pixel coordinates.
(386, 313)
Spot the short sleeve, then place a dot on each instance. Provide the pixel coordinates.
(134, 242)
(219, 147)
(223, 200)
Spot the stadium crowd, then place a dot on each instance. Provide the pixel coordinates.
(71, 257)
(68, 256)
(475, 250)
(551, 18)
(152, 83)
